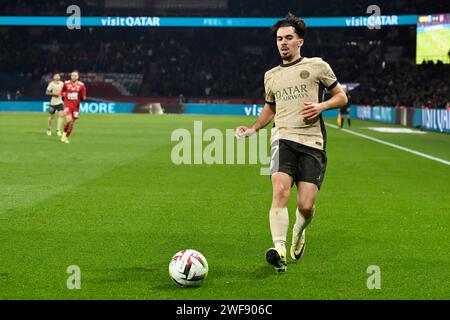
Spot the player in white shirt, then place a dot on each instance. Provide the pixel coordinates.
(56, 103)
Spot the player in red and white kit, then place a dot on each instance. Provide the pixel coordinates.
(73, 92)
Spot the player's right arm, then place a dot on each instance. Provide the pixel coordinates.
(265, 117)
(49, 91)
(267, 113)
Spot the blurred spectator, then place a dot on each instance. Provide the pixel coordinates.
(181, 99)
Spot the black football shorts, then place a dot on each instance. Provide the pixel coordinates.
(58, 107)
(301, 162)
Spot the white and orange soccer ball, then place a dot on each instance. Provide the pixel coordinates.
(188, 268)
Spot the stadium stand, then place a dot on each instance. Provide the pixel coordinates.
(108, 84)
(221, 63)
(234, 8)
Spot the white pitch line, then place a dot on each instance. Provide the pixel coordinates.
(391, 145)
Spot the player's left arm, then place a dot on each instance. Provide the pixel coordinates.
(338, 99)
(83, 92)
(327, 78)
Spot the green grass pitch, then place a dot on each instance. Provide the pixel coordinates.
(112, 203)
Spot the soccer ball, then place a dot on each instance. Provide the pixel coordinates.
(188, 268)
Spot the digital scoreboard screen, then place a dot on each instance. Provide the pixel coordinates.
(433, 38)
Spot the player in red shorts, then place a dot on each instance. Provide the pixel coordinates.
(73, 91)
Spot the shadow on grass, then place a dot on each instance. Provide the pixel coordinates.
(222, 277)
(131, 274)
(157, 276)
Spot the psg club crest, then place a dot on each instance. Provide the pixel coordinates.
(304, 74)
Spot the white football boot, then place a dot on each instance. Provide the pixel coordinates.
(298, 245)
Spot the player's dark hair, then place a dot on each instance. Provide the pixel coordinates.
(291, 21)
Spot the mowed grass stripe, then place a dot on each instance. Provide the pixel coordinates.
(33, 172)
(421, 154)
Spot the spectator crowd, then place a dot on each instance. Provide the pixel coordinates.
(226, 62)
